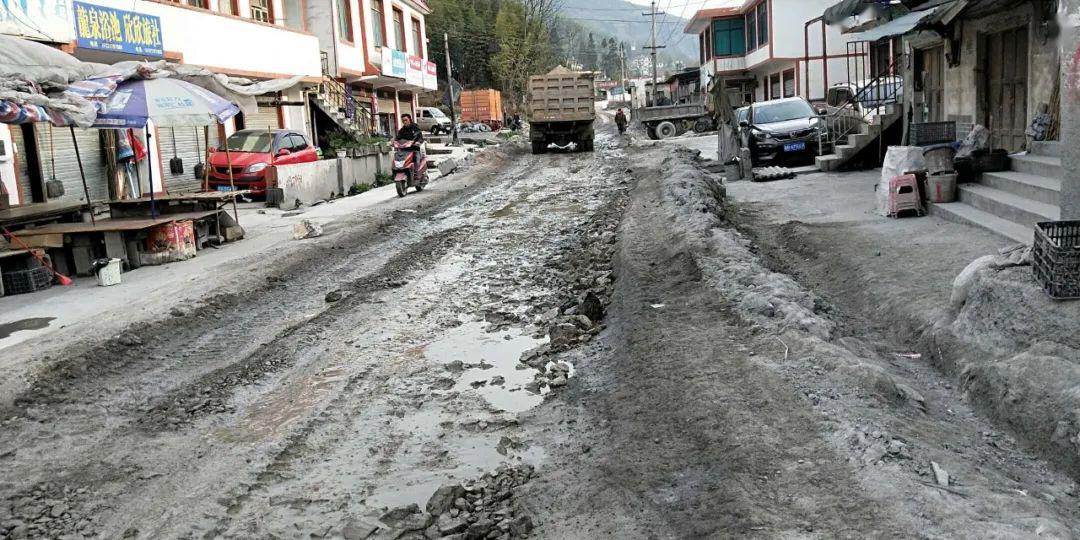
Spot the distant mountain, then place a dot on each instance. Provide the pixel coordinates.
(624, 21)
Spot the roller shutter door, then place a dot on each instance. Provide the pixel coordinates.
(23, 170)
(267, 117)
(67, 167)
(190, 151)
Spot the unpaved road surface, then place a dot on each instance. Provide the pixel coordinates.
(575, 346)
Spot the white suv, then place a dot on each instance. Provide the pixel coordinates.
(432, 120)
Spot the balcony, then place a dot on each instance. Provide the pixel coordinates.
(223, 43)
(730, 63)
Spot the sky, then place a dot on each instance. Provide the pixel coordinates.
(691, 6)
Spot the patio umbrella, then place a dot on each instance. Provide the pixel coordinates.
(168, 103)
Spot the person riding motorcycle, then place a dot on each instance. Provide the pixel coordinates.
(620, 121)
(411, 132)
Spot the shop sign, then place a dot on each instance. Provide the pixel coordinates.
(414, 73)
(394, 63)
(431, 75)
(117, 30)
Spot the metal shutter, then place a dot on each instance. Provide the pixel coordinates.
(23, 171)
(67, 167)
(267, 117)
(189, 151)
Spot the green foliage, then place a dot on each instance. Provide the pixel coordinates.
(500, 43)
(383, 178)
(342, 140)
(359, 188)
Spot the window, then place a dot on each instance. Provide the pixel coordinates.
(228, 7)
(297, 142)
(763, 23)
(789, 83)
(728, 38)
(261, 11)
(198, 3)
(344, 19)
(399, 30)
(294, 15)
(377, 22)
(774, 86)
(701, 48)
(418, 39)
(751, 30)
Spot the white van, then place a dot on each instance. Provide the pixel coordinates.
(432, 120)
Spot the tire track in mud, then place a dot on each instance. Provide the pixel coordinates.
(76, 409)
(209, 392)
(349, 433)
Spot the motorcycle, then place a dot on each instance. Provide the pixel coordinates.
(406, 173)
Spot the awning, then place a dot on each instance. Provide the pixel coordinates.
(840, 11)
(896, 27)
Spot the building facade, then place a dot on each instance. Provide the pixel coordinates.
(374, 49)
(769, 49)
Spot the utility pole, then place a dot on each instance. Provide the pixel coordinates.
(454, 140)
(653, 47)
(622, 63)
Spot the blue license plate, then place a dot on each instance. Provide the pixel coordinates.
(224, 188)
(794, 147)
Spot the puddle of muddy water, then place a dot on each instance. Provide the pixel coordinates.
(491, 355)
(36, 323)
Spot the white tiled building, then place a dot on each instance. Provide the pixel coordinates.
(762, 48)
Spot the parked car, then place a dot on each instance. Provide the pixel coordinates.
(785, 129)
(252, 152)
(432, 120)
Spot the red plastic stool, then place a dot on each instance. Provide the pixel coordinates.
(904, 195)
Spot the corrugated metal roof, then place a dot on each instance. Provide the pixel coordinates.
(896, 27)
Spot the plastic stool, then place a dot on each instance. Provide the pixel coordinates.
(904, 195)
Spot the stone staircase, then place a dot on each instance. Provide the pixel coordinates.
(1011, 203)
(858, 140)
(332, 100)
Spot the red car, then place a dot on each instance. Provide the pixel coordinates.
(252, 152)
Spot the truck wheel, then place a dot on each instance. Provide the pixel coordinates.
(666, 130)
(702, 125)
(539, 147)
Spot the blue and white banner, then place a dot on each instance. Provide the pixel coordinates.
(117, 30)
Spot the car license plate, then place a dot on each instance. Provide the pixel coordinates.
(794, 147)
(224, 188)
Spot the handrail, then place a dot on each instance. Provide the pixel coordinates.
(338, 96)
(847, 117)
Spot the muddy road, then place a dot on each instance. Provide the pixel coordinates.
(562, 346)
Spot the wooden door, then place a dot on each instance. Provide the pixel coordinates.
(934, 84)
(1006, 67)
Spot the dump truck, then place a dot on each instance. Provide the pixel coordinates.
(561, 108)
(484, 106)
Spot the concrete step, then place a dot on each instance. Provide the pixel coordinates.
(1047, 166)
(1038, 188)
(1017, 209)
(828, 162)
(1046, 148)
(959, 212)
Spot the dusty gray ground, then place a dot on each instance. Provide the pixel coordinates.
(711, 398)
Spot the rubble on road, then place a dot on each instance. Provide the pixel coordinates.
(307, 229)
(486, 507)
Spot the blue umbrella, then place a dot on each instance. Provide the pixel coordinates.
(169, 103)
